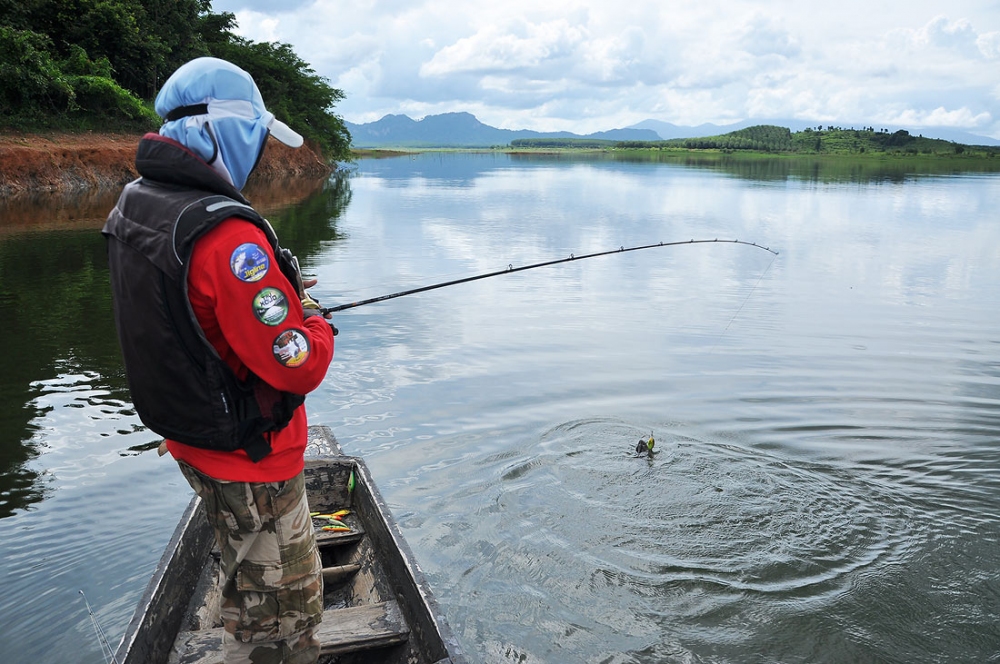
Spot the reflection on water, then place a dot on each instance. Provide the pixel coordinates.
(825, 486)
(54, 303)
(60, 211)
(811, 168)
(55, 306)
(441, 169)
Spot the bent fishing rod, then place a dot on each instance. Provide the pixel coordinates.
(510, 269)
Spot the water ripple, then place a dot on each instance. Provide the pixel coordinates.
(705, 513)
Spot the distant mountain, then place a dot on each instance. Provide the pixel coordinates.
(463, 130)
(666, 130)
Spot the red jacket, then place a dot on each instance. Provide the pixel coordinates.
(253, 318)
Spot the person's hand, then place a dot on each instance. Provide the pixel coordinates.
(308, 302)
(310, 307)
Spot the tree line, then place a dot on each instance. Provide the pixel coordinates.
(578, 143)
(832, 140)
(97, 64)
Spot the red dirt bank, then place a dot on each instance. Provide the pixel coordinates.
(33, 163)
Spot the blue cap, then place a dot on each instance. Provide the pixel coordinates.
(214, 108)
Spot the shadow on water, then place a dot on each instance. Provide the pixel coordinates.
(55, 304)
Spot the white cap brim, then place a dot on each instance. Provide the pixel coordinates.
(284, 133)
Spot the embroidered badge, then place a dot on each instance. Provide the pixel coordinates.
(249, 262)
(270, 306)
(291, 348)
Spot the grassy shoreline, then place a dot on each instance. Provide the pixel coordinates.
(990, 161)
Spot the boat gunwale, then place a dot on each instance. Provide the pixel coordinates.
(182, 559)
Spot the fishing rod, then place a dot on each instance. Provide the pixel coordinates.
(510, 269)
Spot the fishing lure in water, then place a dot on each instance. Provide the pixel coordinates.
(645, 446)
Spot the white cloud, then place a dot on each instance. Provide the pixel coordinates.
(989, 45)
(943, 33)
(493, 49)
(584, 65)
(941, 117)
(762, 36)
(262, 26)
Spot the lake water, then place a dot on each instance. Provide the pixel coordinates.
(826, 486)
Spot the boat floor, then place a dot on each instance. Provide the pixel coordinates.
(355, 619)
(347, 630)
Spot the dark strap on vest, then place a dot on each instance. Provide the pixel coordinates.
(198, 217)
(187, 111)
(257, 448)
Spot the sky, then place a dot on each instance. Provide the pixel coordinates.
(590, 65)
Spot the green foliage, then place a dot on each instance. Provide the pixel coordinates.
(99, 63)
(101, 96)
(639, 144)
(78, 64)
(832, 140)
(761, 138)
(34, 85)
(143, 40)
(578, 143)
(30, 80)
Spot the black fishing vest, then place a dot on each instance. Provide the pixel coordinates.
(181, 388)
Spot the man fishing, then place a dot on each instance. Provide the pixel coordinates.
(221, 343)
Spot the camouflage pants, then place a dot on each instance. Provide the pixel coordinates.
(270, 571)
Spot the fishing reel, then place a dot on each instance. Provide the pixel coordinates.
(289, 265)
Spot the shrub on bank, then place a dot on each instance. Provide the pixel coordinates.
(39, 91)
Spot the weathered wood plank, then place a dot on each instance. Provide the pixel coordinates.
(330, 538)
(362, 628)
(342, 631)
(340, 572)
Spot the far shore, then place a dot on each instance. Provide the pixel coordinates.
(68, 163)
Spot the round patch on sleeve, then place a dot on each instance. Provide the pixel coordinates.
(249, 262)
(270, 306)
(291, 348)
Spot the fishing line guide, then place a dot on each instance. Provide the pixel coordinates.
(511, 269)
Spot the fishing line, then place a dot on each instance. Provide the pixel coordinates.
(510, 269)
(106, 650)
(747, 299)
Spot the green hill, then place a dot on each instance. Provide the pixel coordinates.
(831, 140)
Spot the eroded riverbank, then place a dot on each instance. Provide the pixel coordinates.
(76, 162)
